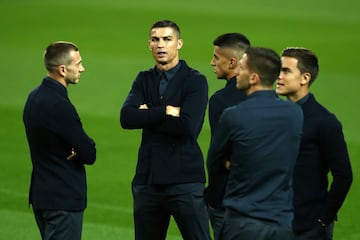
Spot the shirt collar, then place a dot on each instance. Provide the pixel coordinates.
(304, 99)
(169, 74)
(231, 81)
(263, 93)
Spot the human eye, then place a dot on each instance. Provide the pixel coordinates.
(285, 70)
(154, 39)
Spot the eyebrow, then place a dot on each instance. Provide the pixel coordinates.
(285, 69)
(167, 36)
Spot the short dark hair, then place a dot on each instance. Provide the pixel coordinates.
(167, 23)
(58, 53)
(265, 62)
(236, 41)
(307, 60)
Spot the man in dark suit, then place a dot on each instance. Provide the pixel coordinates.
(168, 102)
(228, 50)
(322, 150)
(59, 147)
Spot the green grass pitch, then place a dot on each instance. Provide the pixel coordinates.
(112, 36)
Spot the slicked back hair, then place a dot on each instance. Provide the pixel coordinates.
(307, 60)
(58, 53)
(265, 62)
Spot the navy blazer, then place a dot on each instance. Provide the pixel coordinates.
(218, 102)
(53, 128)
(169, 152)
(264, 132)
(322, 148)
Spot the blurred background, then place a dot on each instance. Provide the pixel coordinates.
(112, 36)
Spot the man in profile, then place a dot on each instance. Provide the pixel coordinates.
(59, 147)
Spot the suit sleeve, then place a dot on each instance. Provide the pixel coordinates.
(192, 111)
(218, 147)
(215, 110)
(131, 117)
(70, 128)
(334, 150)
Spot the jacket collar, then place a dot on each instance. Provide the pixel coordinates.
(55, 85)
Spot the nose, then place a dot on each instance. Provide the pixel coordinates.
(82, 68)
(161, 43)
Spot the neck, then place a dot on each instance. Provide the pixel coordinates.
(58, 78)
(230, 76)
(256, 88)
(298, 95)
(167, 66)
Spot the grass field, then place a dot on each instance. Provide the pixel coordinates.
(112, 36)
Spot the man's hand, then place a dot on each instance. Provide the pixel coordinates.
(227, 165)
(143, 106)
(72, 155)
(173, 111)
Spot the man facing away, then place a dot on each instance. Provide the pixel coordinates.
(264, 134)
(322, 150)
(228, 50)
(59, 147)
(168, 102)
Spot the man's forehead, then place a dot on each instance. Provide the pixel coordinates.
(76, 57)
(289, 61)
(162, 32)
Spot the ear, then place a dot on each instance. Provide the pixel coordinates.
(180, 43)
(234, 63)
(305, 80)
(254, 79)
(61, 70)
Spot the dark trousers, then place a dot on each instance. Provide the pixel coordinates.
(59, 224)
(237, 227)
(152, 212)
(316, 233)
(216, 216)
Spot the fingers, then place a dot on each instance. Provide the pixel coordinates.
(143, 106)
(72, 155)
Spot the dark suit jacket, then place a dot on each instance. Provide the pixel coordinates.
(322, 148)
(169, 152)
(265, 134)
(218, 102)
(53, 128)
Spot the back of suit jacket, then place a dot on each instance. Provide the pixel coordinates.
(169, 152)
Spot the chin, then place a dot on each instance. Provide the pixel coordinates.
(75, 82)
(162, 62)
(279, 92)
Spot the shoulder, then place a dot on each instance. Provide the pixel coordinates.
(190, 71)
(147, 73)
(217, 95)
(191, 78)
(315, 110)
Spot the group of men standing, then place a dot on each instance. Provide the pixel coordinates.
(268, 158)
